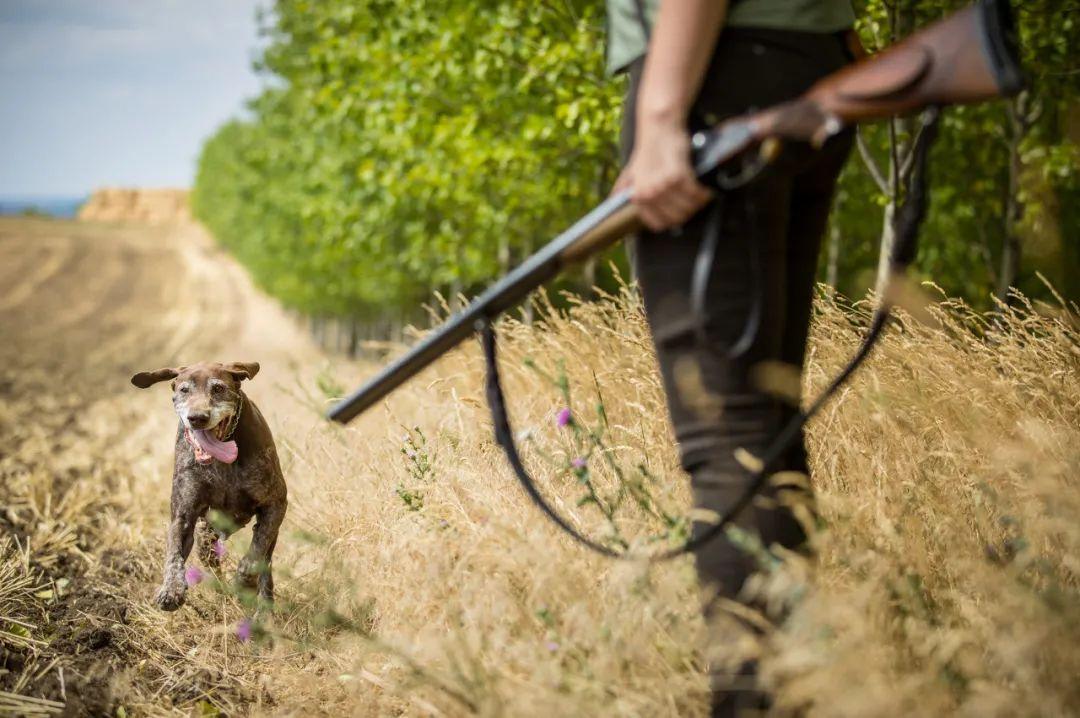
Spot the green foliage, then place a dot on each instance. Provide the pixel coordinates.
(966, 226)
(397, 151)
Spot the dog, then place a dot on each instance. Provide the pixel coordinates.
(225, 462)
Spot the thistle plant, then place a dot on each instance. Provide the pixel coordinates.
(414, 448)
(590, 453)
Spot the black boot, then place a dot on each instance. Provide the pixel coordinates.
(738, 695)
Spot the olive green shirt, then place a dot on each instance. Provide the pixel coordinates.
(626, 41)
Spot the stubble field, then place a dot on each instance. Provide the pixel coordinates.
(414, 577)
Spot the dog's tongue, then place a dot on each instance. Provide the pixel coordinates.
(223, 451)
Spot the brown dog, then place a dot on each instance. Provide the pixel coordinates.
(225, 461)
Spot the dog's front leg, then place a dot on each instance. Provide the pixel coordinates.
(255, 566)
(180, 538)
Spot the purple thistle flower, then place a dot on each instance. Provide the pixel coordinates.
(564, 417)
(193, 575)
(551, 646)
(579, 463)
(243, 630)
(219, 548)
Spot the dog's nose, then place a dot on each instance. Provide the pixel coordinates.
(198, 421)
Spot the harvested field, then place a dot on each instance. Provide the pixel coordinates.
(414, 577)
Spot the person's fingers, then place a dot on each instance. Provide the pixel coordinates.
(623, 181)
(667, 215)
(659, 214)
(666, 201)
(649, 192)
(693, 191)
(662, 208)
(651, 218)
(680, 208)
(687, 198)
(701, 193)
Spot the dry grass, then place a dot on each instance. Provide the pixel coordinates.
(415, 578)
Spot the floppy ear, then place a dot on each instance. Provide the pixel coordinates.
(146, 379)
(241, 370)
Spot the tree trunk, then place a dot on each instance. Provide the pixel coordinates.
(354, 337)
(589, 272)
(902, 19)
(504, 254)
(887, 237)
(456, 289)
(528, 310)
(832, 259)
(1014, 207)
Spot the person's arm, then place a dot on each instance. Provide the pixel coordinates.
(666, 191)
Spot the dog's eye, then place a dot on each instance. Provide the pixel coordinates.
(217, 389)
(184, 388)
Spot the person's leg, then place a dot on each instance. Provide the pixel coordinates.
(811, 200)
(714, 403)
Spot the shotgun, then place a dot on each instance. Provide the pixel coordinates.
(967, 57)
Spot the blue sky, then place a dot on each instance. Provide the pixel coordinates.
(117, 92)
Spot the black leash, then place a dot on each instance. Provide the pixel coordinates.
(906, 230)
(702, 275)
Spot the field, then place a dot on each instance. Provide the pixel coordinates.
(415, 578)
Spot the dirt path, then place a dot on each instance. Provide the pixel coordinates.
(85, 458)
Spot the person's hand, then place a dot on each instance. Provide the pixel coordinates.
(665, 190)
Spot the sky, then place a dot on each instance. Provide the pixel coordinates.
(117, 92)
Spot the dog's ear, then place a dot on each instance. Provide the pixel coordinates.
(146, 379)
(241, 370)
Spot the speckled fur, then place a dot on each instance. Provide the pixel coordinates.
(252, 486)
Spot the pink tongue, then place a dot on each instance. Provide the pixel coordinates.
(223, 451)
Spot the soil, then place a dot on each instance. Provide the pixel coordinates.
(83, 306)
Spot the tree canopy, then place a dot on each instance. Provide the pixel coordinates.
(399, 150)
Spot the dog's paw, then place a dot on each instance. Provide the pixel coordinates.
(264, 612)
(170, 596)
(247, 574)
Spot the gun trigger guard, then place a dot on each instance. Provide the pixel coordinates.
(749, 170)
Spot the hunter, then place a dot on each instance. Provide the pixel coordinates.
(693, 63)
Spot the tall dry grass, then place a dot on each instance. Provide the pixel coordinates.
(415, 578)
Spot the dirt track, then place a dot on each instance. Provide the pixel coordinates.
(85, 457)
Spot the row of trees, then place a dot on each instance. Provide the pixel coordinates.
(399, 150)
(1004, 175)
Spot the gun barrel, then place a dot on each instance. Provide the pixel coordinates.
(608, 222)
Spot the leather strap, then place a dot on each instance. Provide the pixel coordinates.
(908, 220)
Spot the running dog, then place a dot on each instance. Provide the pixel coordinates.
(225, 462)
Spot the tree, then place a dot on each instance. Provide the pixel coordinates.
(394, 153)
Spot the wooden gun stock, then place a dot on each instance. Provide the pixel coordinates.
(968, 57)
